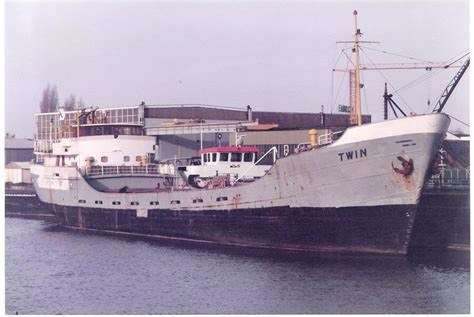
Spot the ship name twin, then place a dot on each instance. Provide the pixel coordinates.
(354, 154)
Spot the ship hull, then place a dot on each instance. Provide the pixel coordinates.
(358, 194)
(375, 229)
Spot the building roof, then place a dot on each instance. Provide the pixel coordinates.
(13, 143)
(229, 149)
(285, 120)
(22, 165)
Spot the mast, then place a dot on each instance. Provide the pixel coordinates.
(355, 111)
(357, 71)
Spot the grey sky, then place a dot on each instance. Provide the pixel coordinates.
(274, 56)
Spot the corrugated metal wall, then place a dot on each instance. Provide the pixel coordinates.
(18, 155)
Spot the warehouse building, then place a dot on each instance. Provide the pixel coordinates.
(18, 150)
(284, 130)
(181, 131)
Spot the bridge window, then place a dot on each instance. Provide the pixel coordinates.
(126, 158)
(248, 157)
(104, 159)
(235, 157)
(214, 157)
(224, 157)
(138, 158)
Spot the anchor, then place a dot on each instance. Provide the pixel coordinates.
(407, 167)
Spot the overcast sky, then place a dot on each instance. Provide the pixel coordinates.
(275, 56)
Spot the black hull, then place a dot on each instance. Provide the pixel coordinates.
(24, 203)
(443, 220)
(378, 229)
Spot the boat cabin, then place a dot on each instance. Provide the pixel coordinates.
(230, 154)
(237, 162)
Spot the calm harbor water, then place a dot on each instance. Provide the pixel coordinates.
(50, 270)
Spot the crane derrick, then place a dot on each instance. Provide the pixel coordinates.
(450, 88)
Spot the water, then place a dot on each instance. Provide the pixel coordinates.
(54, 271)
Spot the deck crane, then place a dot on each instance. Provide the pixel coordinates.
(450, 88)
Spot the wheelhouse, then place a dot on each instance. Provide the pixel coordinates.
(228, 154)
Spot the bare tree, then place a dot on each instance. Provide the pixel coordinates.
(70, 103)
(49, 100)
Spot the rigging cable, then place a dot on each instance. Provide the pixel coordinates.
(342, 80)
(365, 94)
(386, 80)
(425, 76)
(442, 92)
(332, 81)
(399, 55)
(458, 120)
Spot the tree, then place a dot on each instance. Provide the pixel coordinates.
(49, 100)
(70, 103)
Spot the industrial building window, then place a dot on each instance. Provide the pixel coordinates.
(126, 158)
(235, 157)
(104, 159)
(248, 157)
(224, 157)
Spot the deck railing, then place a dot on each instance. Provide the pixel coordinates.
(149, 169)
(450, 178)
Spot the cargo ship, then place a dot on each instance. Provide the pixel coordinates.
(356, 194)
(351, 192)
